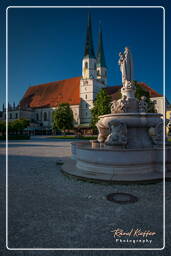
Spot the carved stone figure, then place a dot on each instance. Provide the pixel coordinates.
(126, 65)
(118, 133)
(143, 105)
(156, 133)
(119, 106)
(114, 106)
(102, 132)
(124, 105)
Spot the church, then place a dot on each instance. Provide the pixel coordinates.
(40, 101)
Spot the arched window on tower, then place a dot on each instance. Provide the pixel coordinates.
(98, 72)
(86, 96)
(45, 116)
(86, 65)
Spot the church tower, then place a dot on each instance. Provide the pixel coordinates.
(101, 64)
(89, 59)
(89, 85)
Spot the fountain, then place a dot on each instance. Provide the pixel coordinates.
(130, 140)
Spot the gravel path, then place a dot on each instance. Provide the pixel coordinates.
(50, 210)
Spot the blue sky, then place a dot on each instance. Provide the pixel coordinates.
(48, 44)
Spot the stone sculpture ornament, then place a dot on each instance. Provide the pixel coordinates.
(102, 132)
(124, 105)
(118, 133)
(126, 65)
(119, 106)
(156, 133)
(143, 105)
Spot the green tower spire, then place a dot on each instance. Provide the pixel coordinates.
(89, 49)
(100, 52)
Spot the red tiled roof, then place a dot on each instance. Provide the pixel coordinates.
(114, 91)
(66, 91)
(152, 92)
(52, 94)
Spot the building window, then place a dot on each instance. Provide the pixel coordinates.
(86, 96)
(37, 116)
(98, 72)
(16, 115)
(10, 116)
(45, 116)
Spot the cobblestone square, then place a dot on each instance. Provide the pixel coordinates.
(49, 210)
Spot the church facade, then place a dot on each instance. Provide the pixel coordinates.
(39, 101)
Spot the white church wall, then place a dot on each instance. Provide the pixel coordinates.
(159, 104)
(76, 113)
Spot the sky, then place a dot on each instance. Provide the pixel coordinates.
(47, 44)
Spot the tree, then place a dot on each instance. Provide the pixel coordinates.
(62, 117)
(102, 106)
(141, 92)
(2, 127)
(17, 126)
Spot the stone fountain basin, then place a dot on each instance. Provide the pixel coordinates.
(138, 160)
(124, 165)
(132, 119)
(137, 125)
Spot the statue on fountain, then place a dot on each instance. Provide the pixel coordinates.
(113, 130)
(126, 66)
(128, 103)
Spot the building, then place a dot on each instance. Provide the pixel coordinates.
(40, 101)
(168, 117)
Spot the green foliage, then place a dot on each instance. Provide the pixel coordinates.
(102, 106)
(73, 137)
(25, 122)
(2, 127)
(18, 125)
(63, 117)
(141, 92)
(14, 126)
(16, 137)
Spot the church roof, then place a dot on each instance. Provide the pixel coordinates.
(89, 49)
(115, 91)
(100, 51)
(52, 94)
(66, 91)
(152, 92)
